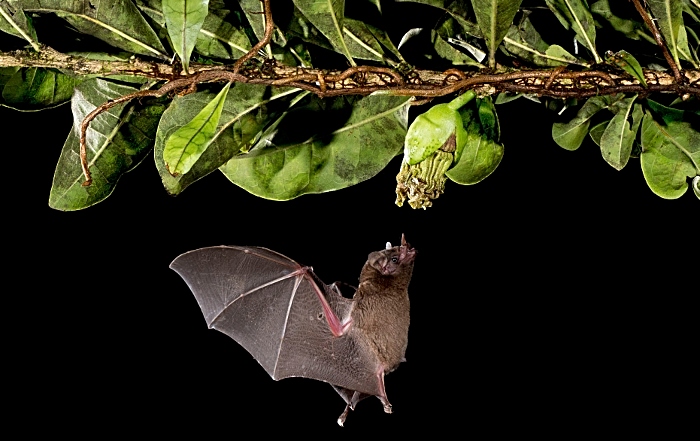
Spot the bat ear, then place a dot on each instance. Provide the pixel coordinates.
(403, 241)
(388, 246)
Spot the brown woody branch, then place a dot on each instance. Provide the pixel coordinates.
(358, 80)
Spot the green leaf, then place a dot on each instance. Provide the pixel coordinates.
(328, 16)
(243, 117)
(254, 12)
(671, 154)
(625, 61)
(117, 22)
(684, 50)
(448, 52)
(618, 138)
(221, 35)
(458, 13)
(15, 22)
(383, 38)
(488, 118)
(669, 17)
(185, 146)
(481, 154)
(630, 28)
(494, 18)
(570, 135)
(117, 140)
(184, 19)
(526, 43)
(597, 131)
(361, 41)
(574, 14)
(361, 136)
(32, 88)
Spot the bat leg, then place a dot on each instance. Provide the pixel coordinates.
(382, 394)
(351, 398)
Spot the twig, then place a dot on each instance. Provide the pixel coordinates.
(659, 41)
(269, 29)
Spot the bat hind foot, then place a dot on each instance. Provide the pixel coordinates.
(341, 418)
(386, 404)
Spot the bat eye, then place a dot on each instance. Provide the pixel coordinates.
(395, 259)
(320, 316)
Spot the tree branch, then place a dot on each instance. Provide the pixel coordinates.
(358, 80)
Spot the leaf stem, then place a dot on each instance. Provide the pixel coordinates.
(461, 100)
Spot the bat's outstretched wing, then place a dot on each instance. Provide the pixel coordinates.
(275, 309)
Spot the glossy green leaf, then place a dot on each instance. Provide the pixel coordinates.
(488, 118)
(669, 18)
(117, 22)
(494, 18)
(352, 139)
(574, 14)
(183, 20)
(684, 50)
(14, 21)
(671, 155)
(480, 156)
(185, 146)
(32, 88)
(328, 17)
(448, 52)
(526, 43)
(117, 140)
(597, 131)
(383, 38)
(618, 137)
(459, 13)
(625, 61)
(570, 135)
(221, 34)
(242, 119)
(632, 29)
(253, 10)
(361, 41)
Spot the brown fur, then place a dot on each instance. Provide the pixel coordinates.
(381, 310)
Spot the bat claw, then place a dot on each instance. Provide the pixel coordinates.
(387, 408)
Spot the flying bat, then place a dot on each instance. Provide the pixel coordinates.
(297, 326)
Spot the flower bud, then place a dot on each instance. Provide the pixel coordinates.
(434, 142)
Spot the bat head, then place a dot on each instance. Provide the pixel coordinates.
(393, 261)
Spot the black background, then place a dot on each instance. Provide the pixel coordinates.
(549, 297)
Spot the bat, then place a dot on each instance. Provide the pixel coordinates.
(297, 326)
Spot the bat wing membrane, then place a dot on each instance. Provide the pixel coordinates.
(270, 305)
